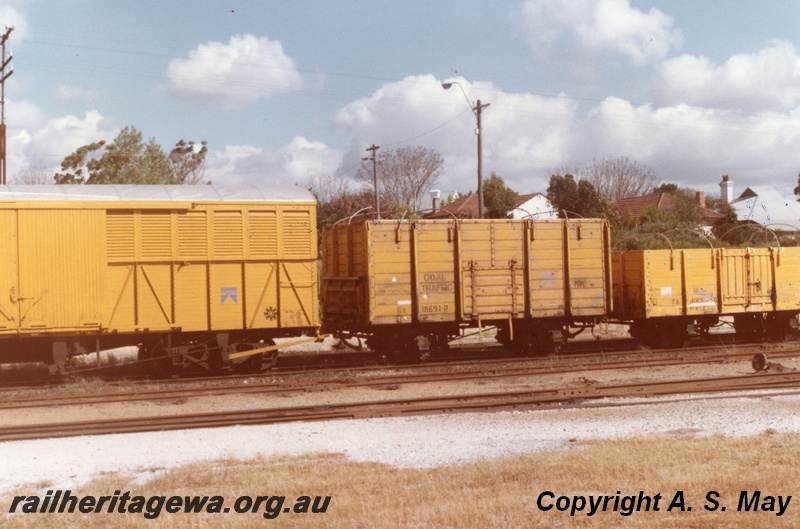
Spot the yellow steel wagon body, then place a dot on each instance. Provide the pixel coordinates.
(663, 291)
(400, 281)
(124, 264)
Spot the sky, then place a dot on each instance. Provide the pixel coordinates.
(292, 92)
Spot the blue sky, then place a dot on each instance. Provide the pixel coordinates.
(288, 92)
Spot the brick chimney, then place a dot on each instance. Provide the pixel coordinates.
(700, 196)
(726, 189)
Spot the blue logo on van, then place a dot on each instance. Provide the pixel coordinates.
(228, 292)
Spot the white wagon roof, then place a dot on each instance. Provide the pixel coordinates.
(195, 193)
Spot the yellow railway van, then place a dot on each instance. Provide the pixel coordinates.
(410, 286)
(191, 274)
(662, 293)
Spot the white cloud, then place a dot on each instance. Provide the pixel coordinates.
(242, 71)
(34, 139)
(523, 135)
(599, 25)
(527, 137)
(295, 163)
(766, 80)
(11, 15)
(694, 146)
(67, 133)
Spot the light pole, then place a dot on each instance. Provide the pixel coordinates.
(477, 111)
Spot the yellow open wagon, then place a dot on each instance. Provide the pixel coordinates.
(664, 292)
(410, 286)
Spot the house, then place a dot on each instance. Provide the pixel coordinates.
(531, 206)
(635, 207)
(763, 205)
(766, 206)
(465, 207)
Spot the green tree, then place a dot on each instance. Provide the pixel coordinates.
(797, 188)
(130, 160)
(187, 162)
(575, 197)
(498, 198)
(78, 166)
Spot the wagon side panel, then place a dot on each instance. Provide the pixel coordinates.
(9, 273)
(587, 258)
(435, 270)
(787, 279)
(547, 270)
(391, 285)
(60, 270)
(700, 295)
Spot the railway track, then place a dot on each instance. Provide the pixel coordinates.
(509, 400)
(485, 369)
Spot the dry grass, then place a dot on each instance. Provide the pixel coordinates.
(486, 494)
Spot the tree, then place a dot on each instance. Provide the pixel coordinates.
(797, 189)
(129, 160)
(336, 200)
(187, 162)
(36, 174)
(579, 197)
(619, 178)
(498, 198)
(81, 163)
(405, 176)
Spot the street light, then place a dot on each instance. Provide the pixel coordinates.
(477, 111)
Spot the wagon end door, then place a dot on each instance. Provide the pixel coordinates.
(9, 273)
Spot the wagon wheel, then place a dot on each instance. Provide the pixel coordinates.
(759, 362)
(155, 361)
(399, 349)
(342, 343)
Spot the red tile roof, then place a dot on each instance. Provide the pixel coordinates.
(635, 206)
(464, 207)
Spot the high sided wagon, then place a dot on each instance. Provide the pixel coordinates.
(666, 295)
(408, 287)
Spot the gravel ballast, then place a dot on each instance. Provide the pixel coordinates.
(424, 441)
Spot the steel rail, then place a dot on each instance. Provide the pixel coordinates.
(330, 384)
(415, 406)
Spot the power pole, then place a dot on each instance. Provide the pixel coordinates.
(3, 77)
(478, 107)
(477, 111)
(374, 148)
